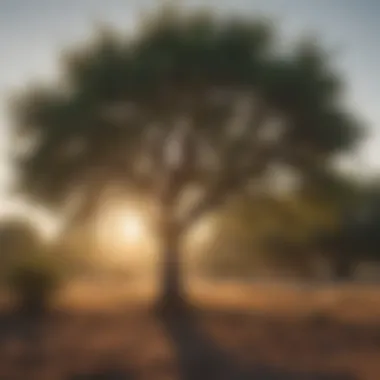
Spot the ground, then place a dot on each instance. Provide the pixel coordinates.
(260, 332)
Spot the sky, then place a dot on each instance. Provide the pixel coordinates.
(33, 33)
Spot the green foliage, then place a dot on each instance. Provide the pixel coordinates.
(28, 268)
(284, 233)
(35, 282)
(91, 128)
(19, 241)
(359, 227)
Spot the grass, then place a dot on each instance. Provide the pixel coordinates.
(279, 330)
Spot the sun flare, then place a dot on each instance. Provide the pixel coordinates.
(124, 233)
(133, 228)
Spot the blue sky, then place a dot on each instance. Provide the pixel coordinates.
(33, 32)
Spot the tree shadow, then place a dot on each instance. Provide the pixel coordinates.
(30, 330)
(106, 374)
(199, 358)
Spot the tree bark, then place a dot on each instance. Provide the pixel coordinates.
(172, 297)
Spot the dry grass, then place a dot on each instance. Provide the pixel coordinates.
(287, 328)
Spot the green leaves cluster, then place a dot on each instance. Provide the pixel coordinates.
(118, 99)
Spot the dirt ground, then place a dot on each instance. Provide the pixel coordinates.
(259, 332)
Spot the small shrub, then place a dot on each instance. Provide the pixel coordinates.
(34, 283)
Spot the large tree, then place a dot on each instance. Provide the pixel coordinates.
(189, 110)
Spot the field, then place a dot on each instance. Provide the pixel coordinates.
(256, 331)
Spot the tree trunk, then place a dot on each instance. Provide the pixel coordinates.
(343, 268)
(172, 297)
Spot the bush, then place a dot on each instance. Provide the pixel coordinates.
(19, 240)
(34, 283)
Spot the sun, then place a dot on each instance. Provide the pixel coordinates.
(125, 233)
(133, 229)
(123, 228)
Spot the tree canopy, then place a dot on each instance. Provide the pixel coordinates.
(189, 102)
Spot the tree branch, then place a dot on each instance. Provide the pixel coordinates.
(222, 190)
(177, 162)
(244, 156)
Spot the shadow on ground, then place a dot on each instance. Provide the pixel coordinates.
(116, 347)
(202, 359)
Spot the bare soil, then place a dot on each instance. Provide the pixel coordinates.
(259, 332)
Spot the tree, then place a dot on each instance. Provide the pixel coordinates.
(295, 230)
(18, 240)
(191, 107)
(353, 237)
(370, 214)
(358, 235)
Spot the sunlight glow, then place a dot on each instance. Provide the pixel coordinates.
(202, 233)
(124, 233)
(133, 228)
